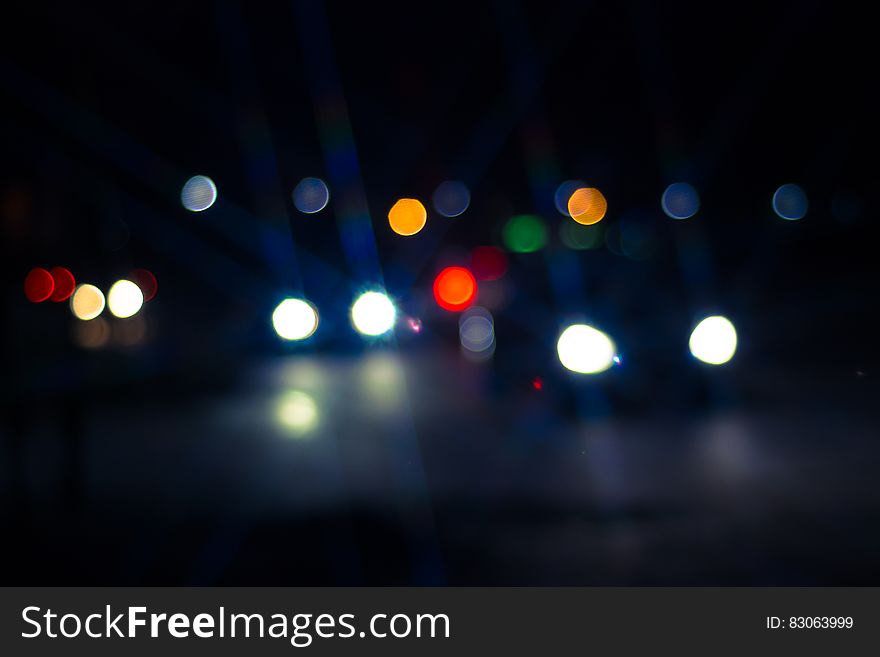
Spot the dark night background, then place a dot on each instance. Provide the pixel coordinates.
(162, 462)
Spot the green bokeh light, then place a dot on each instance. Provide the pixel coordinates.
(525, 233)
(580, 237)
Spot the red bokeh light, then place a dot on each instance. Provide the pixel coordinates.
(64, 282)
(537, 383)
(146, 281)
(455, 288)
(489, 263)
(38, 285)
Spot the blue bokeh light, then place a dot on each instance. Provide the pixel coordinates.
(311, 195)
(680, 201)
(564, 192)
(451, 198)
(790, 202)
(198, 193)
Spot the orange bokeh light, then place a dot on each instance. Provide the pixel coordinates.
(407, 216)
(455, 288)
(587, 206)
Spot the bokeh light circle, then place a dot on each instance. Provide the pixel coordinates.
(476, 330)
(790, 202)
(524, 233)
(455, 288)
(295, 319)
(147, 282)
(680, 201)
(198, 194)
(124, 299)
(585, 350)
(488, 263)
(587, 206)
(87, 302)
(407, 216)
(38, 285)
(580, 237)
(65, 283)
(713, 340)
(373, 314)
(451, 198)
(92, 335)
(297, 412)
(564, 192)
(311, 195)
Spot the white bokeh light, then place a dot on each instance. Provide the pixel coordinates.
(295, 319)
(585, 350)
(476, 329)
(713, 341)
(198, 193)
(124, 299)
(373, 313)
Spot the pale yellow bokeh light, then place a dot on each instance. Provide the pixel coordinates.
(295, 319)
(713, 341)
(297, 413)
(373, 314)
(585, 350)
(124, 299)
(87, 302)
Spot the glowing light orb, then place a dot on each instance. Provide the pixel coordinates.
(587, 206)
(790, 202)
(455, 288)
(198, 194)
(38, 285)
(311, 195)
(680, 201)
(407, 216)
(65, 283)
(295, 319)
(297, 412)
(564, 192)
(451, 198)
(580, 237)
(713, 341)
(147, 282)
(585, 350)
(124, 299)
(476, 330)
(373, 314)
(87, 302)
(524, 233)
